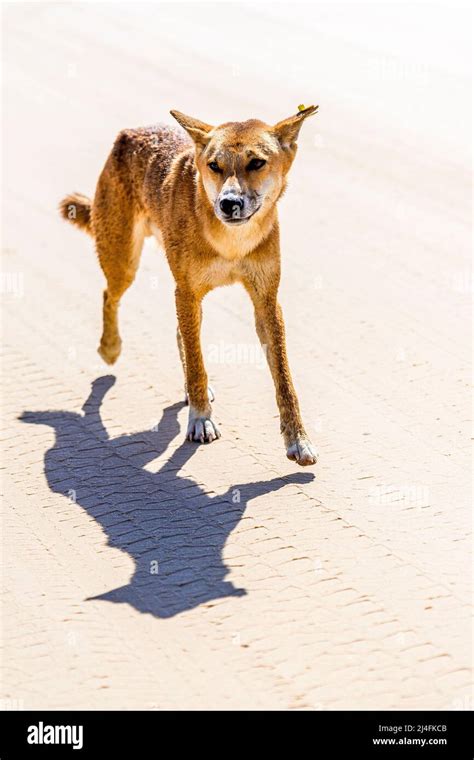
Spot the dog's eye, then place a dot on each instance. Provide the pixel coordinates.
(214, 167)
(255, 164)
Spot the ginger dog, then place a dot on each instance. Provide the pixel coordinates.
(211, 202)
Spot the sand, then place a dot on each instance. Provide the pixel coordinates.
(143, 573)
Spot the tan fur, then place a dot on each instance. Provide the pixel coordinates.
(76, 208)
(218, 226)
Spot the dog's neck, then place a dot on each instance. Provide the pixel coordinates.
(233, 242)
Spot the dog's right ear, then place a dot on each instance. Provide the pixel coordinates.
(197, 130)
(287, 131)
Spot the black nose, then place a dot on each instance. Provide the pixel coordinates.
(232, 205)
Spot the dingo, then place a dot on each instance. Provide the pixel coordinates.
(211, 202)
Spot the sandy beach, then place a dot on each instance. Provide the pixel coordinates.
(142, 572)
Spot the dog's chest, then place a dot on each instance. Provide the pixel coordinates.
(219, 272)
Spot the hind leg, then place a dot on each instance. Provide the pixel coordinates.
(110, 343)
(119, 240)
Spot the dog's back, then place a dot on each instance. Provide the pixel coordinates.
(146, 149)
(138, 155)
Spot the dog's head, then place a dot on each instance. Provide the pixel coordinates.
(243, 165)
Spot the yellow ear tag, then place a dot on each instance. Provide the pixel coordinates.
(301, 108)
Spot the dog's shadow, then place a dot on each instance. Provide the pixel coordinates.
(169, 525)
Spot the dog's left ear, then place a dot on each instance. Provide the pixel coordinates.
(287, 131)
(197, 130)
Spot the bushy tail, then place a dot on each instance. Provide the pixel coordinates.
(76, 208)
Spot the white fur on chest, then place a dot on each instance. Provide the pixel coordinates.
(234, 244)
(156, 232)
(220, 272)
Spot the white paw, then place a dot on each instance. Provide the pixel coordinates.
(202, 429)
(303, 452)
(210, 393)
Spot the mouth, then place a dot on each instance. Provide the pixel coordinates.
(236, 221)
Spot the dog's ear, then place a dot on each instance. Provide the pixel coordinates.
(197, 130)
(287, 131)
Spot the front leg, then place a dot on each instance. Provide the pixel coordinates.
(201, 427)
(182, 356)
(271, 332)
